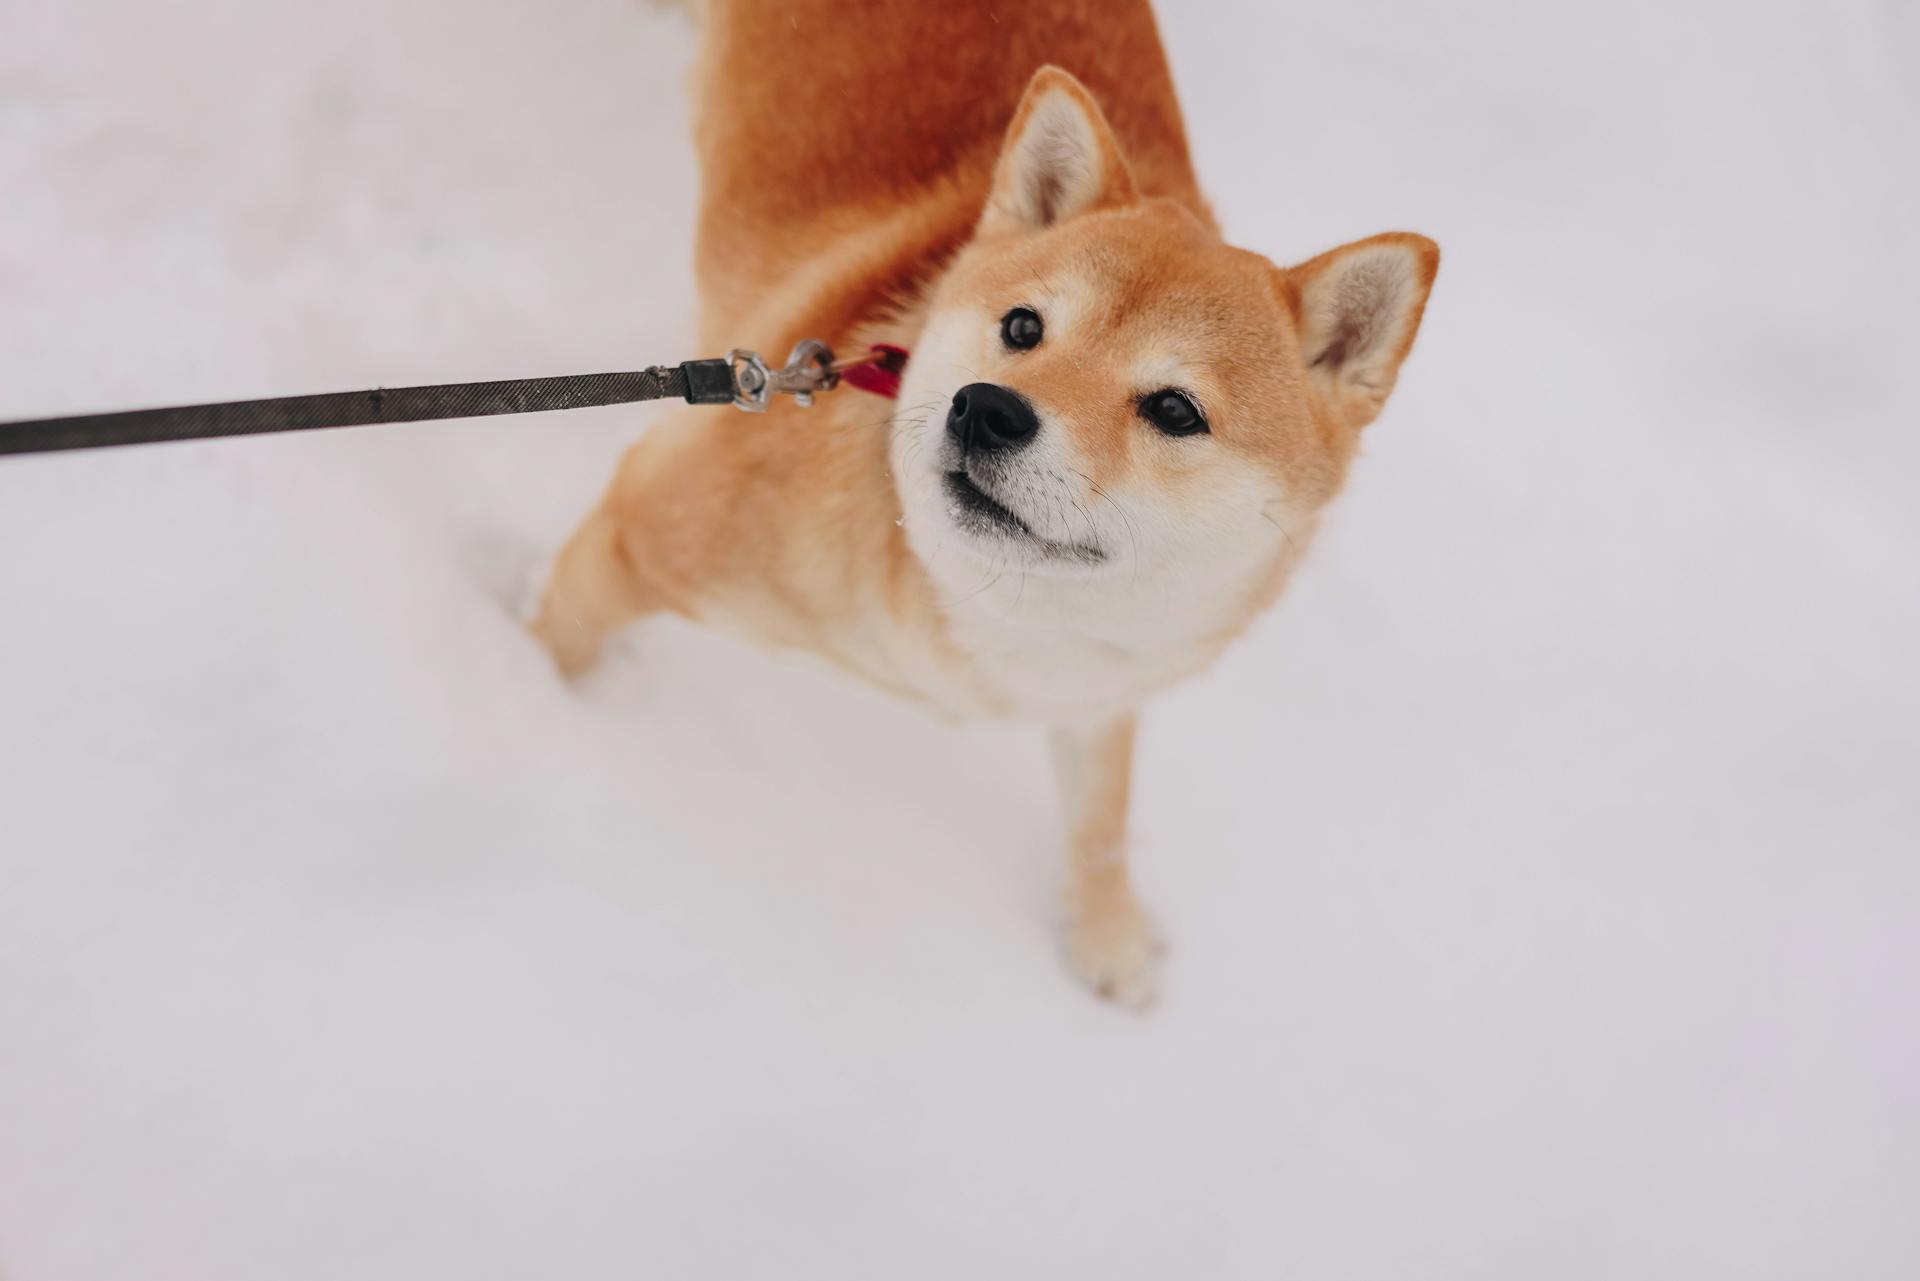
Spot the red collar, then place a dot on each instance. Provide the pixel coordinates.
(880, 373)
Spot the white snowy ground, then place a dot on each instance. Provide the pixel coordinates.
(1542, 876)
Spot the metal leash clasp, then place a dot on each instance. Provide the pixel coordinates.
(809, 369)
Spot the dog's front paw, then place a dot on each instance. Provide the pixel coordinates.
(1115, 949)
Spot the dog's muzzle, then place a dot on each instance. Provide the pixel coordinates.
(988, 418)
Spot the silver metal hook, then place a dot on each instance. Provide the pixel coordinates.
(809, 369)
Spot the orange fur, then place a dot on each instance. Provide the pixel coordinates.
(907, 172)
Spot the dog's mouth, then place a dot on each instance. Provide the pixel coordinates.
(979, 513)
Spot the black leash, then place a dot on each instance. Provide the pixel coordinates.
(741, 379)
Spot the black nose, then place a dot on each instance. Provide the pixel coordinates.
(986, 416)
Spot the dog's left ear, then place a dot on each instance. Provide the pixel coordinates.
(1060, 159)
(1358, 308)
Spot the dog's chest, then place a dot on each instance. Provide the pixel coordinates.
(1049, 671)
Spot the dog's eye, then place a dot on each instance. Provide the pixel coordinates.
(1172, 413)
(1021, 329)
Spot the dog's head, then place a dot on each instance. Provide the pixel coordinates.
(1107, 392)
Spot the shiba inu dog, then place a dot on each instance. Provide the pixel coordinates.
(1114, 432)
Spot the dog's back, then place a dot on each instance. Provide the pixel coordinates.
(854, 144)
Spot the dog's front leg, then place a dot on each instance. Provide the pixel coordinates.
(1112, 944)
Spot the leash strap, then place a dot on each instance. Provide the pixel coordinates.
(698, 382)
(742, 379)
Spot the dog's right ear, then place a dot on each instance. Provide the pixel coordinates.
(1060, 159)
(1358, 308)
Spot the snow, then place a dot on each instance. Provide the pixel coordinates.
(1541, 876)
